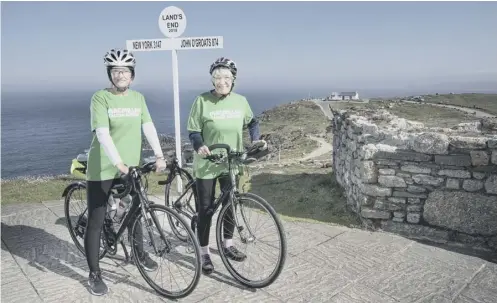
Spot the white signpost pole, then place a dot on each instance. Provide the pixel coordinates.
(172, 23)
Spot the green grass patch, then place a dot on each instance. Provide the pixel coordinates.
(23, 190)
(305, 193)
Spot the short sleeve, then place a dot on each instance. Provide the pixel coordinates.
(248, 113)
(145, 112)
(98, 112)
(195, 118)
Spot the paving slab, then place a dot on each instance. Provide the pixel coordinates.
(325, 263)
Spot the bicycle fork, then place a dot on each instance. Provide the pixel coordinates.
(148, 225)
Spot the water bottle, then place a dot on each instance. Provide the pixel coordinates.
(124, 206)
(111, 206)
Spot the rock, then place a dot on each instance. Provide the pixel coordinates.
(368, 173)
(413, 200)
(453, 160)
(491, 184)
(375, 214)
(413, 217)
(397, 200)
(404, 194)
(472, 185)
(454, 173)
(415, 189)
(374, 190)
(415, 169)
(403, 155)
(414, 208)
(469, 213)
(468, 127)
(386, 171)
(391, 181)
(479, 157)
(399, 214)
(431, 143)
(489, 123)
(460, 142)
(492, 143)
(452, 184)
(479, 176)
(494, 157)
(427, 180)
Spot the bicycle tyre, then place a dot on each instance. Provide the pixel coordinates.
(283, 251)
(168, 200)
(198, 265)
(71, 229)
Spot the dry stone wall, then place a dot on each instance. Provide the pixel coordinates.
(431, 183)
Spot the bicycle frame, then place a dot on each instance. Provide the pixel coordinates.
(139, 204)
(229, 192)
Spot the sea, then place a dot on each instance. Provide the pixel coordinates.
(42, 132)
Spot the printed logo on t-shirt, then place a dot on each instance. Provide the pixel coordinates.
(226, 114)
(124, 112)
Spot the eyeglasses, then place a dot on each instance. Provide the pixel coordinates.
(116, 72)
(225, 78)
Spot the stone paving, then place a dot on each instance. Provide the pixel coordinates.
(325, 263)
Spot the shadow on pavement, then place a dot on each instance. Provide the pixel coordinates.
(47, 252)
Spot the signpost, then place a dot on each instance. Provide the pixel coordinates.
(172, 23)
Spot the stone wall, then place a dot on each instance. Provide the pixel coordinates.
(433, 183)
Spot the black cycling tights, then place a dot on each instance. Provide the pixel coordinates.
(98, 193)
(206, 192)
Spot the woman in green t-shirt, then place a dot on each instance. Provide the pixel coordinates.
(118, 116)
(218, 116)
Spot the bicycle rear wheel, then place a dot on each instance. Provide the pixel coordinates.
(158, 248)
(186, 204)
(246, 234)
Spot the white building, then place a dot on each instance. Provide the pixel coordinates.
(344, 96)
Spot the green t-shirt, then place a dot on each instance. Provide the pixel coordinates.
(219, 121)
(124, 116)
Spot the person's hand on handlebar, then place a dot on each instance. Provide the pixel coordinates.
(160, 164)
(122, 168)
(204, 151)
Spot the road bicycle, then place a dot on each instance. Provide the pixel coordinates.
(139, 207)
(187, 201)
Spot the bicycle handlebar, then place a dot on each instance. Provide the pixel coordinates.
(134, 173)
(232, 154)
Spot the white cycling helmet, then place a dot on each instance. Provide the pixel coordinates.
(119, 58)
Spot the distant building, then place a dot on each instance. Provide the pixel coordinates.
(343, 96)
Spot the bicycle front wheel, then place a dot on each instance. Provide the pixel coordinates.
(241, 221)
(162, 245)
(76, 213)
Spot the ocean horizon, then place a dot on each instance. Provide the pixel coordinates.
(43, 132)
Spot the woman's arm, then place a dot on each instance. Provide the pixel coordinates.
(153, 138)
(104, 138)
(150, 131)
(194, 125)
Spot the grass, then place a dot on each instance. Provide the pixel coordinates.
(485, 102)
(306, 193)
(51, 188)
(431, 116)
(290, 123)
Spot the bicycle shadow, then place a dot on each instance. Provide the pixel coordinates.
(47, 252)
(186, 261)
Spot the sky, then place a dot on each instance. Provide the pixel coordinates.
(304, 46)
